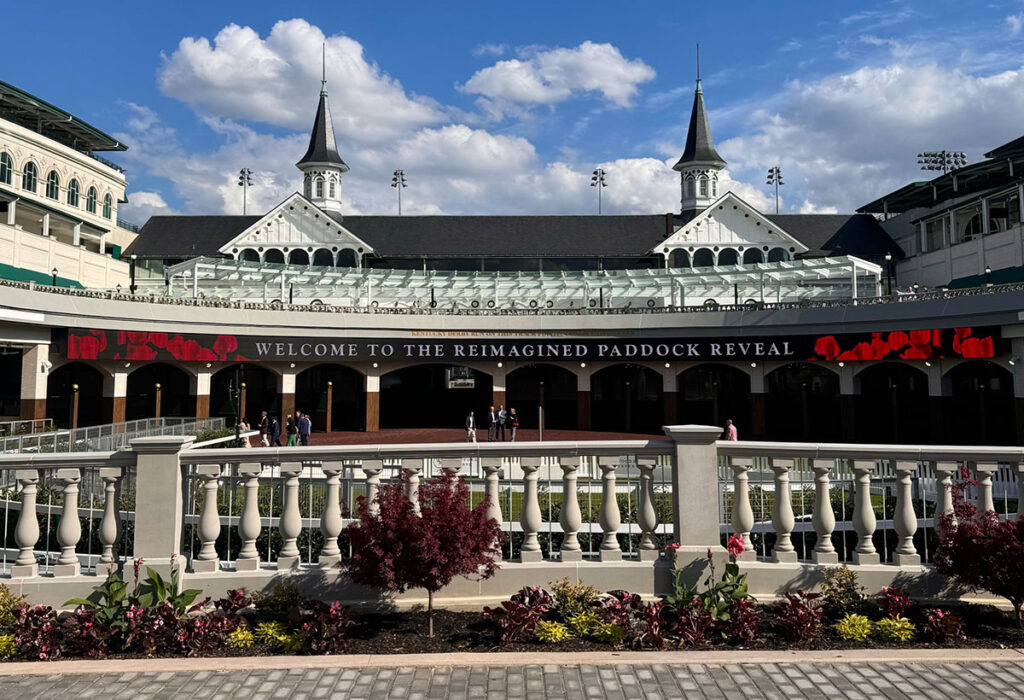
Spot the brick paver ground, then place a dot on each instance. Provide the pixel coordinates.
(1002, 679)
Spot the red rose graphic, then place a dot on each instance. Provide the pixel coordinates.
(102, 337)
(174, 344)
(879, 347)
(959, 335)
(827, 346)
(862, 351)
(74, 347)
(189, 350)
(158, 339)
(89, 347)
(976, 347)
(140, 352)
(898, 340)
(225, 344)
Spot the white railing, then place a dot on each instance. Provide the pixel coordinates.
(21, 427)
(106, 437)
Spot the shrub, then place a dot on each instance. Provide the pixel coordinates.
(718, 597)
(582, 624)
(744, 622)
(898, 630)
(853, 628)
(38, 633)
(152, 629)
(326, 627)
(394, 549)
(694, 624)
(8, 647)
(573, 598)
(551, 632)
(85, 635)
(8, 604)
(241, 638)
(841, 592)
(517, 617)
(234, 603)
(942, 626)
(206, 633)
(609, 633)
(620, 607)
(283, 604)
(894, 601)
(272, 634)
(801, 616)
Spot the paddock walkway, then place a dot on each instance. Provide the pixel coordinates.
(420, 435)
(883, 674)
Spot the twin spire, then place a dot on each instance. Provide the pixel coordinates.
(323, 149)
(700, 147)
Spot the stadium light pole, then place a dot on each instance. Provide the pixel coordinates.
(946, 161)
(245, 182)
(597, 180)
(398, 182)
(775, 178)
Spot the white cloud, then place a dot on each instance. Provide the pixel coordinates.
(811, 208)
(276, 80)
(142, 205)
(1015, 23)
(489, 49)
(554, 75)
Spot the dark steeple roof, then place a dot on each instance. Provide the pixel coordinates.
(322, 148)
(700, 148)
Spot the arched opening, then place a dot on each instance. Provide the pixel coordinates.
(752, 256)
(108, 206)
(249, 255)
(323, 258)
(53, 185)
(626, 398)
(347, 394)
(260, 393)
(347, 258)
(433, 396)
(175, 397)
(711, 394)
(298, 257)
(29, 177)
(10, 381)
(803, 404)
(6, 168)
(892, 405)
(679, 258)
(73, 189)
(981, 407)
(523, 391)
(60, 395)
(777, 255)
(703, 258)
(728, 257)
(273, 255)
(90, 200)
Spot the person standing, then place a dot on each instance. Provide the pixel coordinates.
(264, 429)
(292, 431)
(305, 428)
(730, 431)
(492, 424)
(502, 416)
(470, 427)
(243, 427)
(275, 431)
(513, 422)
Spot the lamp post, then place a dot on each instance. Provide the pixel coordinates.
(775, 178)
(540, 411)
(330, 404)
(946, 161)
(888, 271)
(131, 276)
(53, 275)
(988, 276)
(245, 182)
(597, 180)
(156, 400)
(74, 406)
(398, 182)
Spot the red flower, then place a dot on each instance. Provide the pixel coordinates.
(958, 336)
(862, 351)
(174, 344)
(827, 346)
(672, 547)
(898, 340)
(976, 347)
(140, 352)
(735, 546)
(225, 344)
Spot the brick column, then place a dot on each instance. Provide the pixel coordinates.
(847, 403)
(34, 372)
(583, 398)
(286, 390)
(498, 388)
(200, 389)
(372, 401)
(669, 387)
(758, 426)
(115, 389)
(938, 390)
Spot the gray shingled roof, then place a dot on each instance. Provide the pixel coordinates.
(838, 234)
(187, 236)
(700, 147)
(322, 148)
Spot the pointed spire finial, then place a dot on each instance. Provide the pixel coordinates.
(323, 65)
(698, 68)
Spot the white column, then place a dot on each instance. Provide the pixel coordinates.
(530, 516)
(103, 243)
(371, 469)
(209, 520)
(290, 523)
(945, 471)
(570, 517)
(46, 224)
(984, 472)
(159, 502)
(76, 235)
(249, 525)
(69, 531)
(491, 467)
(647, 517)
(609, 516)
(411, 468)
(26, 533)
(782, 512)
(451, 465)
(742, 513)
(824, 518)
(330, 520)
(11, 206)
(863, 513)
(34, 361)
(904, 519)
(110, 523)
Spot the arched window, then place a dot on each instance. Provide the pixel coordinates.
(90, 200)
(703, 186)
(703, 258)
(319, 188)
(274, 256)
(108, 206)
(714, 186)
(331, 188)
(679, 258)
(298, 257)
(73, 193)
(249, 255)
(323, 258)
(29, 177)
(777, 255)
(347, 258)
(53, 185)
(752, 256)
(728, 257)
(6, 167)
(689, 187)
(308, 187)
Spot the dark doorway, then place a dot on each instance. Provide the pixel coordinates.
(981, 408)
(10, 382)
(175, 397)
(260, 393)
(60, 390)
(523, 390)
(803, 404)
(711, 394)
(892, 405)
(348, 397)
(626, 398)
(423, 397)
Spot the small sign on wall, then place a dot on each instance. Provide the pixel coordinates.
(460, 378)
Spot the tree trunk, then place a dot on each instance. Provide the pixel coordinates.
(430, 613)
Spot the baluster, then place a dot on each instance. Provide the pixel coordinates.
(782, 512)
(492, 466)
(26, 534)
(249, 524)
(209, 520)
(412, 484)
(945, 472)
(570, 518)
(863, 513)
(824, 518)
(330, 520)
(69, 531)
(290, 523)
(742, 513)
(647, 517)
(609, 517)
(904, 520)
(984, 472)
(1020, 491)
(451, 465)
(372, 468)
(110, 523)
(529, 516)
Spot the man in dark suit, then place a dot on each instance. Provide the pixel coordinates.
(502, 415)
(492, 424)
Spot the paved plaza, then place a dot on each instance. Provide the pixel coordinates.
(920, 678)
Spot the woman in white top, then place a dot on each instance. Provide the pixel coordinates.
(243, 427)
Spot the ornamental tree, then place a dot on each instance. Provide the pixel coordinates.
(395, 549)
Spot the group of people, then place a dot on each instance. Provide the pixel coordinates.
(499, 424)
(296, 430)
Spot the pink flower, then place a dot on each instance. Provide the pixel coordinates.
(735, 546)
(672, 547)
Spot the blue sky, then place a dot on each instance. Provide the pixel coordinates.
(502, 107)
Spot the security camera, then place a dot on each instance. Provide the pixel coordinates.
(45, 366)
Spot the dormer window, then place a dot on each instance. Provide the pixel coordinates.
(319, 188)
(714, 187)
(689, 187)
(704, 186)
(331, 189)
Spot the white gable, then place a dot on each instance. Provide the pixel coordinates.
(731, 223)
(296, 223)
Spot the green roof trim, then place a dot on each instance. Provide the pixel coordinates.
(83, 135)
(20, 274)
